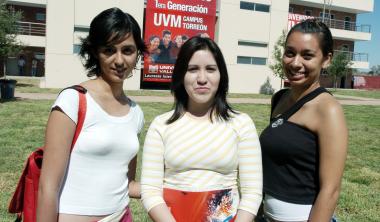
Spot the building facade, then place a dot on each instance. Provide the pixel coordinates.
(246, 31)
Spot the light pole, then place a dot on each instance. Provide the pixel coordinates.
(324, 9)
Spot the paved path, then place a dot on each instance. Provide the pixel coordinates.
(346, 100)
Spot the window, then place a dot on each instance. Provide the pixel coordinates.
(247, 6)
(291, 9)
(259, 61)
(344, 47)
(327, 15)
(39, 56)
(254, 44)
(76, 48)
(254, 6)
(251, 60)
(243, 60)
(308, 12)
(81, 29)
(262, 8)
(347, 23)
(40, 16)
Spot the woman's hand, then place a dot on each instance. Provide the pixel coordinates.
(161, 213)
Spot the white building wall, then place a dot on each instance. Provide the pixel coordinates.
(353, 6)
(253, 26)
(350, 35)
(279, 22)
(32, 40)
(62, 66)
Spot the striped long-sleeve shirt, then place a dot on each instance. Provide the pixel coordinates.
(199, 155)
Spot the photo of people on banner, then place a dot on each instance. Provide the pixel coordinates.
(168, 25)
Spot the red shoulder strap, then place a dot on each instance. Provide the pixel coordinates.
(81, 116)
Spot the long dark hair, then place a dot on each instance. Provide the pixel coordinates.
(108, 27)
(220, 108)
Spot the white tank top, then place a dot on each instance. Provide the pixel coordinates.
(96, 180)
(284, 211)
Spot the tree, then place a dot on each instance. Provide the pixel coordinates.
(339, 66)
(8, 32)
(276, 65)
(375, 70)
(266, 88)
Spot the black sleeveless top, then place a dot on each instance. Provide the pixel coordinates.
(290, 154)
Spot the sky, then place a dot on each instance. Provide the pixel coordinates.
(371, 47)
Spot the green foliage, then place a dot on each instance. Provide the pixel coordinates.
(340, 65)
(375, 70)
(266, 88)
(276, 65)
(8, 30)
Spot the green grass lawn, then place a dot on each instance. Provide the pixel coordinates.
(373, 94)
(26, 85)
(32, 86)
(22, 130)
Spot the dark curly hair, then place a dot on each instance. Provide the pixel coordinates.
(107, 28)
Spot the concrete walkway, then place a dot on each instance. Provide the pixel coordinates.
(344, 100)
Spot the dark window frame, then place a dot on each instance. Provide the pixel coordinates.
(252, 44)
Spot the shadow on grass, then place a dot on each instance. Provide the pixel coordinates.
(24, 85)
(14, 99)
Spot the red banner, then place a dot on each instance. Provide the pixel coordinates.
(168, 24)
(294, 19)
(366, 82)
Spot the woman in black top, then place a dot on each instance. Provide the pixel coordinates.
(305, 146)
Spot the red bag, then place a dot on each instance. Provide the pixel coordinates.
(24, 200)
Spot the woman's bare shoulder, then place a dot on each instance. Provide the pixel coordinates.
(328, 105)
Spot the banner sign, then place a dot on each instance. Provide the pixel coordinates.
(168, 24)
(294, 19)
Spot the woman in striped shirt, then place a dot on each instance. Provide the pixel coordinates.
(196, 156)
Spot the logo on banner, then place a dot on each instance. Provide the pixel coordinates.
(153, 69)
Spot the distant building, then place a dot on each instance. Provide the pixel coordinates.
(246, 31)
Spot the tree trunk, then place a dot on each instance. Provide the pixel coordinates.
(4, 68)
